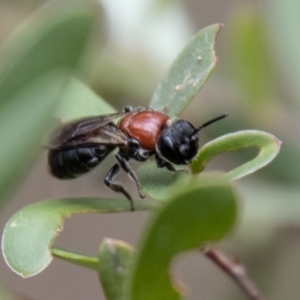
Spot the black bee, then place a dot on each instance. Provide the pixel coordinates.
(81, 145)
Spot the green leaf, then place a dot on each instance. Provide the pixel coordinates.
(77, 101)
(268, 145)
(55, 37)
(202, 213)
(24, 120)
(115, 261)
(188, 73)
(80, 101)
(35, 64)
(29, 234)
(159, 183)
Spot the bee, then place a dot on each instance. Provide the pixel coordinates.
(79, 146)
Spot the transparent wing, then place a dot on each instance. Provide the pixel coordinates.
(91, 130)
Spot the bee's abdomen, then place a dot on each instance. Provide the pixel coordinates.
(71, 163)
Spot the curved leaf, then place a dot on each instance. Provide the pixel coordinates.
(29, 233)
(268, 144)
(188, 73)
(204, 212)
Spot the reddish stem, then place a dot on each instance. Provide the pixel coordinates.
(235, 270)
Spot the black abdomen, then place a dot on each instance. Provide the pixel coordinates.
(73, 162)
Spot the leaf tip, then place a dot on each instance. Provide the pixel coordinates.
(278, 143)
(218, 29)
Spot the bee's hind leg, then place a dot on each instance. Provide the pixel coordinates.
(123, 162)
(117, 187)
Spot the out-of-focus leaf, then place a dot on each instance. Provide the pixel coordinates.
(124, 78)
(196, 215)
(29, 234)
(254, 61)
(55, 37)
(249, 59)
(188, 73)
(115, 262)
(284, 24)
(52, 39)
(270, 205)
(23, 121)
(268, 144)
(79, 101)
(5, 295)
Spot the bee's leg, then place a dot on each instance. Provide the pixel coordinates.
(127, 168)
(162, 163)
(116, 187)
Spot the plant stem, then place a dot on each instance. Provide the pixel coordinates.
(235, 270)
(76, 258)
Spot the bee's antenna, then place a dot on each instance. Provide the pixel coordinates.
(211, 121)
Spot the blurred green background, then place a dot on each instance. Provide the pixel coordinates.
(256, 81)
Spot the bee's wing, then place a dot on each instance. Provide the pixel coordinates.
(91, 130)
